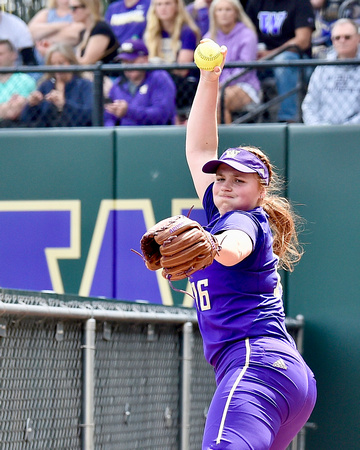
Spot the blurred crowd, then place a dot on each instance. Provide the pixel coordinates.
(145, 32)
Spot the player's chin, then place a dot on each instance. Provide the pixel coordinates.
(225, 204)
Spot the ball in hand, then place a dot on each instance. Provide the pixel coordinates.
(208, 55)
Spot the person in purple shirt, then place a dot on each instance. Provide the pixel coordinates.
(265, 391)
(127, 18)
(230, 26)
(171, 36)
(140, 97)
(199, 11)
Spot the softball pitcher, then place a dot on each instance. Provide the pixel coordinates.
(265, 391)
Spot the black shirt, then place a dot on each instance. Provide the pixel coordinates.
(277, 20)
(111, 50)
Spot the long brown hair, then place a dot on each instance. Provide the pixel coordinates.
(284, 222)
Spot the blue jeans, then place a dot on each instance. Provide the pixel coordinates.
(286, 80)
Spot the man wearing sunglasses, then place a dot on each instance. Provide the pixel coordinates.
(333, 95)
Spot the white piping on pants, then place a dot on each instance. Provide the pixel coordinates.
(238, 379)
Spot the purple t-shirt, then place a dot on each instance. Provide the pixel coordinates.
(200, 16)
(187, 42)
(127, 23)
(244, 300)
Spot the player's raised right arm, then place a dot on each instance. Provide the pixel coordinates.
(202, 132)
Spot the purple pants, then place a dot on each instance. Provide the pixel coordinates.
(265, 394)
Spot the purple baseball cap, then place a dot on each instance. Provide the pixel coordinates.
(132, 49)
(241, 160)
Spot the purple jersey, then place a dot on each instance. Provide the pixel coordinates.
(242, 301)
(127, 23)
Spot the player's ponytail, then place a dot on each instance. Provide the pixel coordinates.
(283, 220)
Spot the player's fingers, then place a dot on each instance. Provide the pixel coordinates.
(223, 50)
(219, 69)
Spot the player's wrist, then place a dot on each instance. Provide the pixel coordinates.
(209, 79)
(214, 242)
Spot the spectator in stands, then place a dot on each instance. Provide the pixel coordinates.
(280, 24)
(199, 11)
(63, 99)
(350, 9)
(17, 32)
(171, 36)
(333, 95)
(127, 18)
(97, 41)
(230, 26)
(140, 97)
(326, 13)
(14, 87)
(52, 25)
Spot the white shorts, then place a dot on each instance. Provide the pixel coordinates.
(250, 91)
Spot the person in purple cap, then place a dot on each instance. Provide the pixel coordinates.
(265, 391)
(140, 97)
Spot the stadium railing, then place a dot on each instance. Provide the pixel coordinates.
(99, 70)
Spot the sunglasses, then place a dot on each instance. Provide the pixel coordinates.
(345, 36)
(74, 8)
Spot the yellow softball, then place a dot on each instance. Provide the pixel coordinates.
(208, 55)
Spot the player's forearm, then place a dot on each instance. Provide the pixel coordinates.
(202, 123)
(235, 246)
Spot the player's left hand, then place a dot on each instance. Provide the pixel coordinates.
(214, 74)
(178, 245)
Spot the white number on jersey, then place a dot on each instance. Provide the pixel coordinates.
(201, 294)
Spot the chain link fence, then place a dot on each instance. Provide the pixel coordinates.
(47, 114)
(81, 373)
(88, 110)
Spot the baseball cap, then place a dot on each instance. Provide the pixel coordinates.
(131, 49)
(241, 160)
